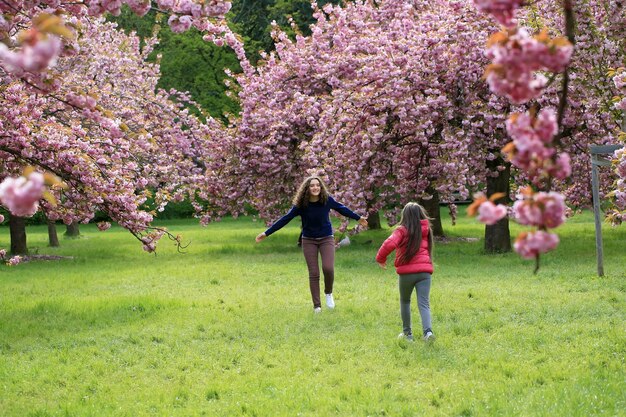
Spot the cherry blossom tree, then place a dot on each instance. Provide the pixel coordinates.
(107, 133)
(382, 98)
(47, 98)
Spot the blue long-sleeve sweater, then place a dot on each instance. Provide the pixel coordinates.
(315, 218)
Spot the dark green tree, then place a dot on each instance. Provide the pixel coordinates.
(252, 19)
(188, 63)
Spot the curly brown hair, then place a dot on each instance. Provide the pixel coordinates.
(302, 196)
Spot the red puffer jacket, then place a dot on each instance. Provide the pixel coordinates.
(421, 262)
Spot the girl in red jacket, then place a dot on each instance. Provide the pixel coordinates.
(413, 243)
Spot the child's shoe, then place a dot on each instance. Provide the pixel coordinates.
(408, 337)
(429, 336)
(330, 301)
(317, 310)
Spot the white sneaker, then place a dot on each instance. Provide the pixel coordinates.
(408, 337)
(317, 310)
(330, 302)
(429, 336)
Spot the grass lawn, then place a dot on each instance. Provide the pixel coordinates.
(227, 329)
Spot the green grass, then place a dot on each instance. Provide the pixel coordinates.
(227, 329)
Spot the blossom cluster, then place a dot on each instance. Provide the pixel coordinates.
(530, 245)
(516, 57)
(532, 148)
(102, 226)
(502, 10)
(21, 195)
(488, 212)
(150, 239)
(541, 210)
(12, 261)
(619, 79)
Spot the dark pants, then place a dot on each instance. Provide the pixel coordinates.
(312, 248)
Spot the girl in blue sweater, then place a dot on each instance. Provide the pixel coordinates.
(313, 204)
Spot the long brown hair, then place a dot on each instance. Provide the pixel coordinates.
(412, 214)
(302, 196)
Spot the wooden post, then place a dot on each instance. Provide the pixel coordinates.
(596, 161)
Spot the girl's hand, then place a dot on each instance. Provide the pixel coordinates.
(363, 221)
(260, 237)
(383, 266)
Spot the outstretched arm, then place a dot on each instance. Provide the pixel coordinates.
(295, 211)
(346, 211)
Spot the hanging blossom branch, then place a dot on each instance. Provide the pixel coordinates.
(517, 58)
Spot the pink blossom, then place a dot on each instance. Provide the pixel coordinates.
(541, 210)
(562, 168)
(620, 80)
(546, 125)
(217, 7)
(1, 218)
(112, 6)
(3, 253)
(532, 136)
(526, 127)
(81, 101)
(14, 260)
(517, 56)
(530, 244)
(490, 214)
(166, 4)
(140, 7)
(184, 7)
(31, 58)
(553, 207)
(519, 89)
(5, 25)
(21, 195)
(102, 226)
(179, 24)
(502, 10)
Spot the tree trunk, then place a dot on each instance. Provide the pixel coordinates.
(17, 226)
(432, 208)
(498, 236)
(53, 238)
(72, 230)
(373, 221)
